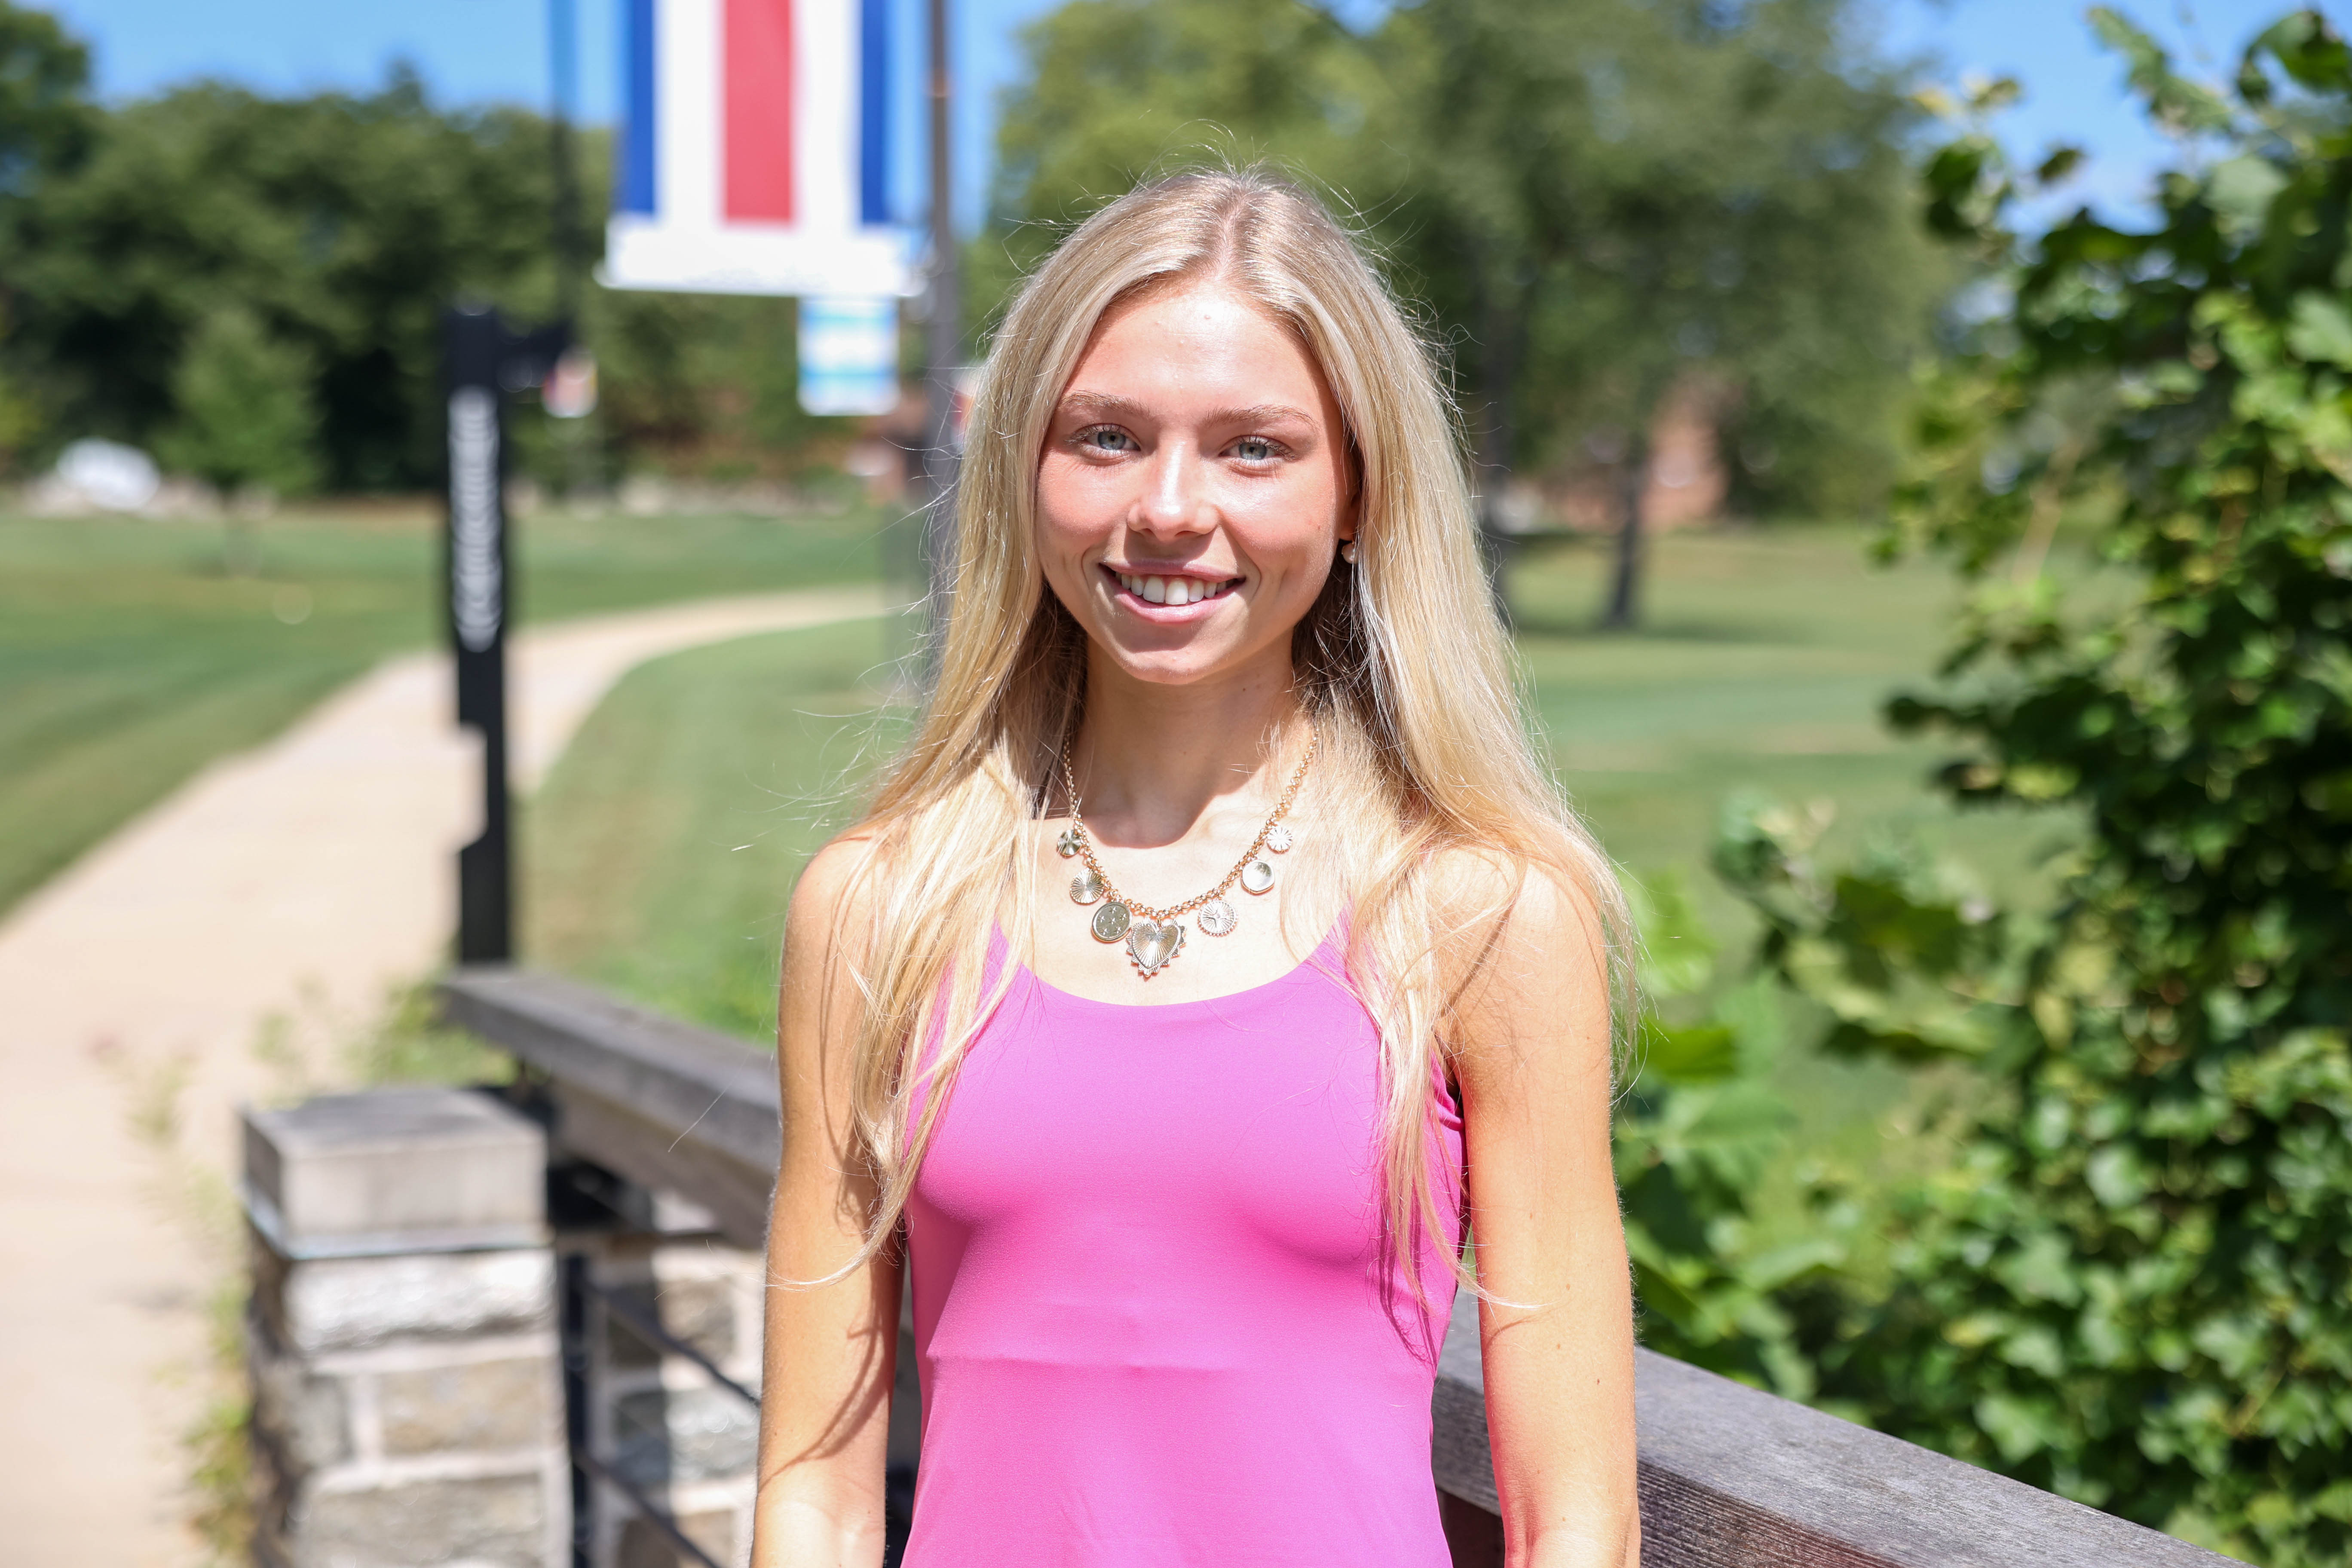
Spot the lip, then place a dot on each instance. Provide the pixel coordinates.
(1166, 615)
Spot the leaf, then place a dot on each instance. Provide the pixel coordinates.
(1678, 953)
(1997, 94)
(2240, 191)
(2180, 104)
(2117, 1177)
(2310, 51)
(1703, 1053)
(1967, 185)
(2018, 1427)
(2061, 162)
(2320, 331)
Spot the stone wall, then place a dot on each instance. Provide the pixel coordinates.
(440, 1322)
(407, 1397)
(406, 1410)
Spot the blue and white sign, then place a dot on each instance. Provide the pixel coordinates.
(849, 353)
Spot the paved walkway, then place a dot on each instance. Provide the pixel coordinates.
(305, 878)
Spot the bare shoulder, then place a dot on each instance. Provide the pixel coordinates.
(834, 887)
(826, 928)
(1519, 912)
(1529, 954)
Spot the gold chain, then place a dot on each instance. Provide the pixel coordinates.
(1112, 895)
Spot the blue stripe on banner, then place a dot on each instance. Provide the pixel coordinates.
(633, 185)
(874, 111)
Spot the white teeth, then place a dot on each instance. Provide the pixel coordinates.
(1171, 590)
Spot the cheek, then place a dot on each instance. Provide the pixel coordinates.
(1073, 508)
(1285, 527)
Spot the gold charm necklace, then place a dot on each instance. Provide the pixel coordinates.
(1154, 936)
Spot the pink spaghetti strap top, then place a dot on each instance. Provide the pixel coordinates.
(1152, 1313)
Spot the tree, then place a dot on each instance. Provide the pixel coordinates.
(342, 226)
(248, 418)
(345, 224)
(45, 120)
(1593, 199)
(1617, 198)
(46, 115)
(2135, 1286)
(1117, 91)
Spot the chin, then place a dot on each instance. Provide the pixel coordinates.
(1163, 670)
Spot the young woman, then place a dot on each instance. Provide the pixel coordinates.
(1215, 982)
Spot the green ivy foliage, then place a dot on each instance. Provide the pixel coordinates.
(1699, 1125)
(2135, 1284)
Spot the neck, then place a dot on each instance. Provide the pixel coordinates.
(1153, 759)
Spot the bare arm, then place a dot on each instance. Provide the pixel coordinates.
(1535, 1077)
(831, 1350)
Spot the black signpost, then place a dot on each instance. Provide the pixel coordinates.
(484, 360)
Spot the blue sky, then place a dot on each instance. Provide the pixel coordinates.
(473, 51)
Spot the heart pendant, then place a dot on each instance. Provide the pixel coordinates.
(1151, 943)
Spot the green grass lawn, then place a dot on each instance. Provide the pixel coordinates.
(130, 656)
(659, 853)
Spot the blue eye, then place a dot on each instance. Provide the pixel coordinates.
(1105, 438)
(1255, 449)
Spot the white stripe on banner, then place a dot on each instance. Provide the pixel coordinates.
(691, 109)
(825, 71)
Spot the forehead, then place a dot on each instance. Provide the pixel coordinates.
(1197, 343)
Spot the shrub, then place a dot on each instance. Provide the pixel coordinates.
(2135, 1286)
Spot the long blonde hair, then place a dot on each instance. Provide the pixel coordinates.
(1402, 662)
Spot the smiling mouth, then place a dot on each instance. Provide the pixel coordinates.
(1172, 590)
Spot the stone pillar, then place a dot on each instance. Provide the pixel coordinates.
(402, 1335)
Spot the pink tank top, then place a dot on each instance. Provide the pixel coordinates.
(1152, 1315)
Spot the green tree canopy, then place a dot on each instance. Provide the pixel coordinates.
(45, 123)
(344, 224)
(248, 417)
(46, 115)
(1613, 197)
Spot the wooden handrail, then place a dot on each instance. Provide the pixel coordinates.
(1731, 1477)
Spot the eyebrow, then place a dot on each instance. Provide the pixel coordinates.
(1096, 404)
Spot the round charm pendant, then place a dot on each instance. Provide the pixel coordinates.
(1086, 888)
(1216, 917)
(1278, 839)
(1257, 877)
(1067, 843)
(1110, 923)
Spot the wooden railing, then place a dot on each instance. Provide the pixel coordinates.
(1731, 1477)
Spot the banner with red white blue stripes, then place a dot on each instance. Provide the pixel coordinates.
(753, 150)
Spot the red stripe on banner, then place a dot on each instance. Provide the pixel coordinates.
(758, 71)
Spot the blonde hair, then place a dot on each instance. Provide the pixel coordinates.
(1403, 663)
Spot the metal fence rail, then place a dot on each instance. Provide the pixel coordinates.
(1731, 1477)
(578, 1288)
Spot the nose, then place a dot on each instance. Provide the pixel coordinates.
(1175, 500)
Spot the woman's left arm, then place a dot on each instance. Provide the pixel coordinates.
(1534, 1065)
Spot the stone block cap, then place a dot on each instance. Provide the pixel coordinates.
(396, 1170)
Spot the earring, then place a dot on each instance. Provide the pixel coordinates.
(1348, 551)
